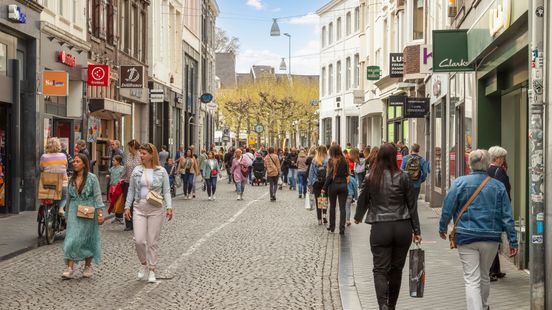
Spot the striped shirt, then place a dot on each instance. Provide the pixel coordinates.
(54, 163)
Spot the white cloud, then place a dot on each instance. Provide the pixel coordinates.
(276, 10)
(257, 4)
(309, 19)
(305, 60)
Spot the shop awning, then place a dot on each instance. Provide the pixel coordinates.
(108, 108)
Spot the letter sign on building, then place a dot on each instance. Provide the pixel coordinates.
(396, 64)
(67, 59)
(450, 51)
(98, 75)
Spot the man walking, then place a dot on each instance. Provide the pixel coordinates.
(416, 167)
(272, 164)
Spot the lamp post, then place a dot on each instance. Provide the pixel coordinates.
(275, 32)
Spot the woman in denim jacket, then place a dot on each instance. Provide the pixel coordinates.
(479, 230)
(147, 218)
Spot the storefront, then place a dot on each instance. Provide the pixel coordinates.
(165, 111)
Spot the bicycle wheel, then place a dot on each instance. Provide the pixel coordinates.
(49, 218)
(41, 221)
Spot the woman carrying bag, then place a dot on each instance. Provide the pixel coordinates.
(150, 190)
(84, 215)
(211, 170)
(317, 178)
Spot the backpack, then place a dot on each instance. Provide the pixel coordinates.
(321, 173)
(414, 167)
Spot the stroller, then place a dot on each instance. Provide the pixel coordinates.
(259, 172)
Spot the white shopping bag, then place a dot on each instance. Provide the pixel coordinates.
(309, 204)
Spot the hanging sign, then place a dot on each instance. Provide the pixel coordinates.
(397, 101)
(157, 95)
(98, 75)
(396, 64)
(450, 51)
(416, 107)
(54, 83)
(132, 76)
(206, 98)
(373, 73)
(67, 59)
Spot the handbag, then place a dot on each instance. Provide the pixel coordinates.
(86, 212)
(50, 185)
(308, 202)
(416, 272)
(323, 202)
(452, 235)
(153, 198)
(214, 172)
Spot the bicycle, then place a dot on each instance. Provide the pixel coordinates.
(49, 220)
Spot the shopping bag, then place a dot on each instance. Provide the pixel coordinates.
(323, 202)
(308, 203)
(416, 272)
(49, 186)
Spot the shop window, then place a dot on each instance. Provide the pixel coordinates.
(3, 59)
(418, 20)
(437, 166)
(397, 126)
(55, 105)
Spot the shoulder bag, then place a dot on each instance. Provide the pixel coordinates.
(452, 235)
(275, 166)
(153, 198)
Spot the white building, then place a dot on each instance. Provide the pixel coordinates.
(340, 86)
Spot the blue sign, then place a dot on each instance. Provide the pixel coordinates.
(206, 98)
(15, 14)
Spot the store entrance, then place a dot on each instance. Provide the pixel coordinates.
(4, 119)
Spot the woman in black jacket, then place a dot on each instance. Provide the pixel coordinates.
(387, 195)
(336, 186)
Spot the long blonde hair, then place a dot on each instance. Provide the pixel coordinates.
(150, 148)
(321, 154)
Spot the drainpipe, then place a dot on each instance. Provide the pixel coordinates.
(16, 171)
(536, 151)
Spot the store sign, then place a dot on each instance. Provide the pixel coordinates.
(206, 98)
(416, 107)
(16, 15)
(54, 83)
(157, 95)
(132, 76)
(252, 138)
(397, 101)
(450, 51)
(499, 16)
(426, 59)
(439, 86)
(67, 59)
(396, 64)
(373, 73)
(98, 75)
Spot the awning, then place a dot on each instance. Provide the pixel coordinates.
(106, 108)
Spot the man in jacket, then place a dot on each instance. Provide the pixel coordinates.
(479, 229)
(272, 164)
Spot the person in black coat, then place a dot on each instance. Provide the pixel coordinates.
(497, 170)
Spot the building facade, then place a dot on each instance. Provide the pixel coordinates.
(340, 86)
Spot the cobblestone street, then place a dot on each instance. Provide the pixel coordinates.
(222, 254)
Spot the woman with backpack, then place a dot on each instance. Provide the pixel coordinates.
(317, 178)
(359, 167)
(240, 172)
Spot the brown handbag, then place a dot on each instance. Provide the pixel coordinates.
(86, 212)
(50, 185)
(452, 235)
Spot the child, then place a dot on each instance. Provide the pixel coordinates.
(352, 194)
(115, 173)
(171, 170)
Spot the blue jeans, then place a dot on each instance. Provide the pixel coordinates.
(211, 185)
(292, 177)
(240, 186)
(302, 180)
(187, 183)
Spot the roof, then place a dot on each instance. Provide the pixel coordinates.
(328, 7)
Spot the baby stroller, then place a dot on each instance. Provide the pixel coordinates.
(259, 172)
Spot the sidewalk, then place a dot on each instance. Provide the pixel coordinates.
(444, 281)
(18, 234)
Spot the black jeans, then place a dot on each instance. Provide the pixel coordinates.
(389, 242)
(273, 185)
(317, 189)
(337, 191)
(128, 224)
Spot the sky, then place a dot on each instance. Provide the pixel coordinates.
(251, 20)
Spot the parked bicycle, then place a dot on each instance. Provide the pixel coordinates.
(49, 221)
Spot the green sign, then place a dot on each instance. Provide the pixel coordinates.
(373, 73)
(450, 51)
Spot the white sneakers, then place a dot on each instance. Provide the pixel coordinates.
(68, 274)
(87, 273)
(209, 198)
(213, 197)
(143, 272)
(240, 197)
(151, 277)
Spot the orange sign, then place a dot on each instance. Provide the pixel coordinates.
(54, 83)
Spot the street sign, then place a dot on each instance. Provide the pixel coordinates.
(252, 138)
(157, 95)
(206, 98)
(259, 128)
(373, 73)
(98, 75)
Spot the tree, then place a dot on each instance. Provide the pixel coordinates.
(225, 44)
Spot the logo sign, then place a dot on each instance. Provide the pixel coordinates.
(67, 59)
(499, 17)
(54, 83)
(206, 98)
(98, 75)
(416, 107)
(439, 85)
(373, 73)
(132, 76)
(396, 64)
(450, 51)
(16, 15)
(259, 128)
(157, 95)
(397, 101)
(252, 138)
(426, 59)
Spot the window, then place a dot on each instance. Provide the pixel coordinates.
(136, 31)
(357, 18)
(338, 77)
(75, 10)
(338, 29)
(323, 86)
(330, 79)
(352, 130)
(418, 20)
(324, 36)
(348, 73)
(330, 33)
(3, 59)
(348, 23)
(144, 39)
(60, 7)
(357, 70)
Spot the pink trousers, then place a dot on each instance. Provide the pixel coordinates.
(147, 221)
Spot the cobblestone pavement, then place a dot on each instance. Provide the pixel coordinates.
(223, 254)
(444, 287)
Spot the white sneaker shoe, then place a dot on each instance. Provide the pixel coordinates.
(151, 277)
(213, 197)
(209, 198)
(68, 274)
(238, 197)
(87, 273)
(143, 272)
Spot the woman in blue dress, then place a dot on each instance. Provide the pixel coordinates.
(82, 238)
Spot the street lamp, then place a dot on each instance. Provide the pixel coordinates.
(275, 32)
